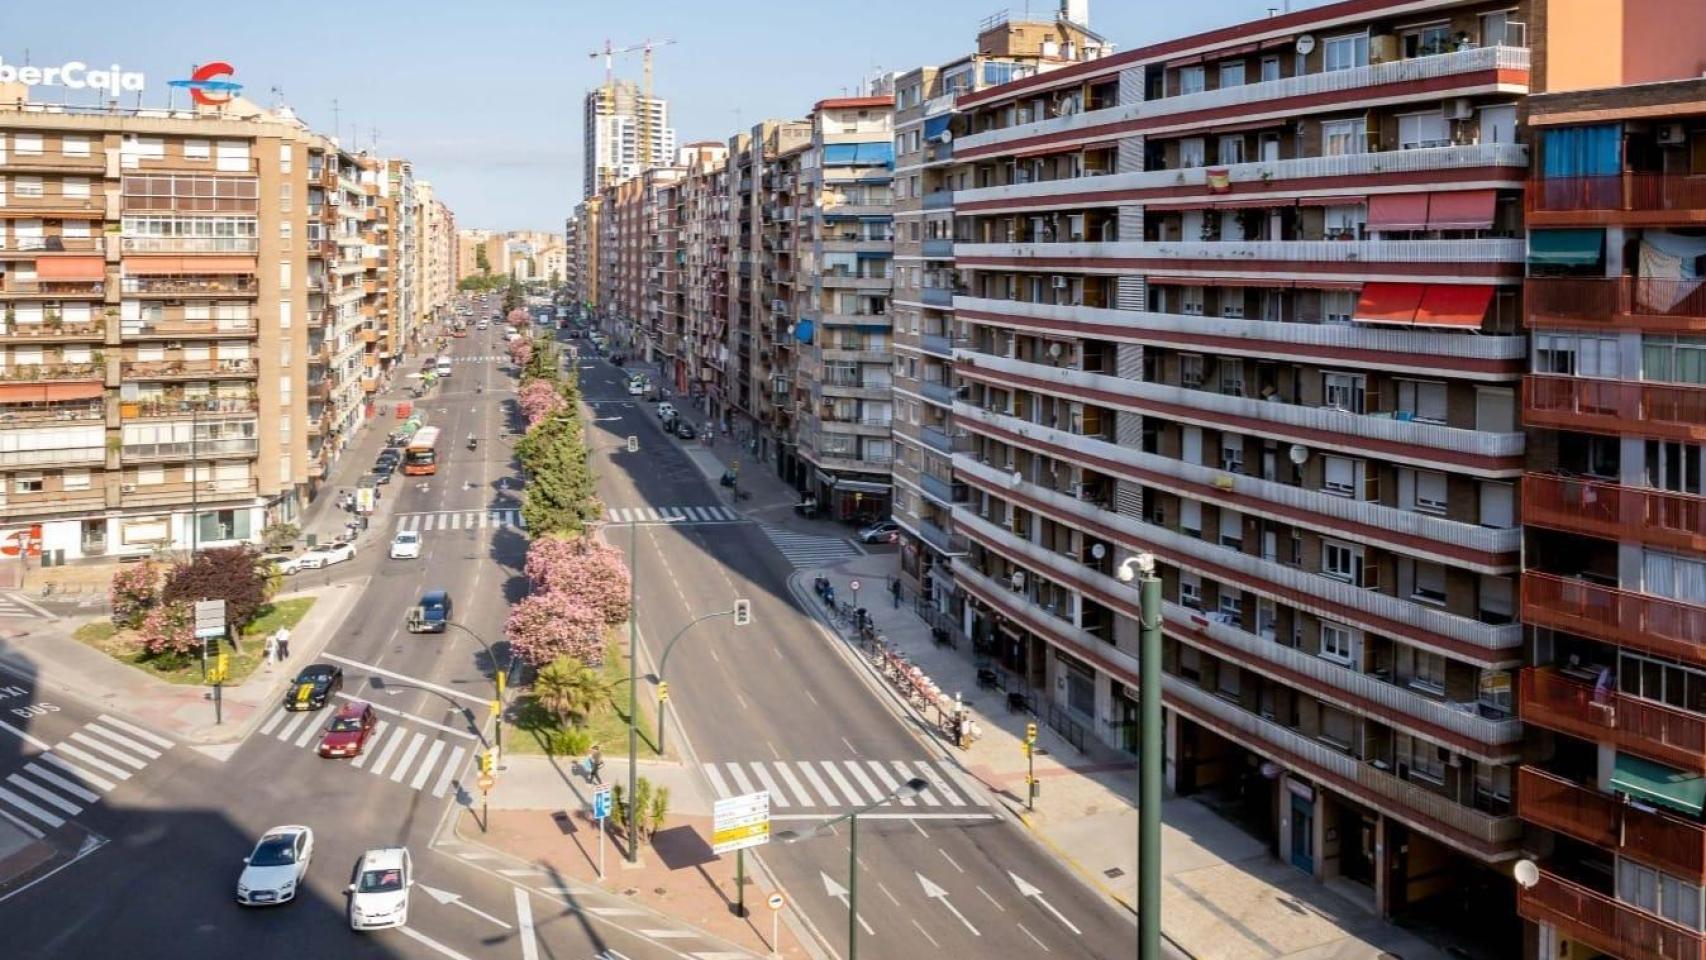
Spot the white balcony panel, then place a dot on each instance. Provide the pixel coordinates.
(1234, 252)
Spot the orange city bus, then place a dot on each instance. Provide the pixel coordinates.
(421, 455)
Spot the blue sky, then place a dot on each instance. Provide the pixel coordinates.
(485, 96)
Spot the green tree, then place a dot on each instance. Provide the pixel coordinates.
(560, 498)
(657, 812)
(232, 574)
(569, 689)
(542, 363)
(481, 261)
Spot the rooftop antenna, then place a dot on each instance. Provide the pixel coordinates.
(337, 121)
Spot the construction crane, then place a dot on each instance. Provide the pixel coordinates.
(645, 48)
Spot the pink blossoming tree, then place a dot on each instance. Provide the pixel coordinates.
(552, 624)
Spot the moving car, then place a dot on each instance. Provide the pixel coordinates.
(406, 545)
(383, 471)
(379, 897)
(685, 430)
(273, 872)
(432, 614)
(636, 388)
(481, 325)
(321, 557)
(666, 410)
(313, 687)
(883, 531)
(349, 731)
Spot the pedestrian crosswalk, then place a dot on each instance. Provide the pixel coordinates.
(403, 748)
(674, 515)
(460, 520)
(61, 781)
(807, 786)
(807, 550)
(13, 605)
(485, 359)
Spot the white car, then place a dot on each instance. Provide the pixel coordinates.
(636, 388)
(273, 873)
(322, 557)
(666, 410)
(513, 334)
(379, 897)
(406, 545)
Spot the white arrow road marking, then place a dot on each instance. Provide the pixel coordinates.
(934, 892)
(445, 896)
(836, 891)
(524, 919)
(1029, 890)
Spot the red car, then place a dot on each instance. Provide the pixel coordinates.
(349, 731)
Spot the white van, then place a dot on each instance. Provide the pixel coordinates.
(443, 368)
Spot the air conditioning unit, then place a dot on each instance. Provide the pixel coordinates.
(1058, 282)
(1671, 135)
(1459, 109)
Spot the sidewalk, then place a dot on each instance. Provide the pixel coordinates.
(539, 816)
(1224, 897)
(47, 652)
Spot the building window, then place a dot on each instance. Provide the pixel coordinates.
(75, 480)
(1430, 582)
(1232, 453)
(1674, 575)
(1232, 75)
(1673, 359)
(1423, 400)
(1344, 222)
(1675, 466)
(1423, 760)
(1232, 377)
(1428, 41)
(198, 150)
(1270, 69)
(1345, 391)
(1192, 152)
(1192, 80)
(1232, 149)
(1338, 306)
(1191, 370)
(1344, 53)
(27, 144)
(1342, 477)
(1190, 591)
(1582, 355)
(1430, 672)
(1427, 491)
(1341, 561)
(1344, 137)
(1417, 130)
(1338, 643)
(1657, 892)
(27, 483)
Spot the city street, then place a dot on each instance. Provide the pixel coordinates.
(776, 707)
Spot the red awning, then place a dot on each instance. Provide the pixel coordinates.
(1389, 302)
(71, 268)
(1454, 305)
(1330, 201)
(1199, 282)
(1398, 211)
(50, 392)
(1462, 210)
(1328, 284)
(1218, 204)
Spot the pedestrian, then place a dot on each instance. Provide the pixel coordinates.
(283, 639)
(894, 588)
(271, 652)
(595, 765)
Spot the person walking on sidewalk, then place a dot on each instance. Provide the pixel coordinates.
(894, 588)
(595, 765)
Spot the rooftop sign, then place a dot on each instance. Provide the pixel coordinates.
(73, 75)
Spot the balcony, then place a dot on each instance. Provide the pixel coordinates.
(937, 296)
(937, 391)
(1261, 177)
(209, 448)
(54, 202)
(1330, 344)
(947, 544)
(175, 369)
(1605, 923)
(1243, 255)
(204, 286)
(939, 200)
(1615, 511)
(174, 407)
(945, 492)
(834, 280)
(943, 442)
(90, 330)
(47, 372)
(1672, 843)
(1483, 835)
(1661, 410)
(1653, 197)
(56, 161)
(52, 244)
(939, 249)
(13, 413)
(1619, 617)
(1321, 426)
(80, 289)
(1647, 728)
(1636, 303)
(938, 345)
(173, 324)
(190, 244)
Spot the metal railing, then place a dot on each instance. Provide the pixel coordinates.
(1644, 192)
(1489, 250)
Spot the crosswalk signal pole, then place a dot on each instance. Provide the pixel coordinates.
(1030, 766)
(633, 675)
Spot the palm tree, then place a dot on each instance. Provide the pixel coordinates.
(658, 812)
(569, 689)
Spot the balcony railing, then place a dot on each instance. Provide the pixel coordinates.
(1639, 192)
(938, 344)
(190, 244)
(206, 286)
(136, 369)
(1650, 836)
(943, 491)
(69, 456)
(53, 201)
(950, 544)
(1620, 617)
(1605, 923)
(174, 408)
(43, 372)
(1552, 700)
(1484, 834)
(1247, 252)
(15, 414)
(943, 442)
(938, 248)
(1665, 410)
(52, 331)
(180, 449)
(1615, 511)
(1658, 303)
(936, 390)
(52, 244)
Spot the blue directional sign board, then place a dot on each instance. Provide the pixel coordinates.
(601, 804)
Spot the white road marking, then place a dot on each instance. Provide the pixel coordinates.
(135, 730)
(427, 765)
(90, 760)
(390, 749)
(109, 750)
(870, 786)
(308, 733)
(888, 779)
(7, 796)
(739, 777)
(906, 774)
(379, 730)
(423, 684)
(777, 797)
(927, 935)
(793, 782)
(992, 900)
(1034, 938)
(79, 773)
(950, 860)
(408, 758)
(49, 796)
(666, 934)
(273, 721)
(834, 771)
(76, 790)
(21, 735)
(615, 912)
(417, 719)
(524, 925)
(817, 783)
(450, 768)
(429, 942)
(296, 720)
(717, 785)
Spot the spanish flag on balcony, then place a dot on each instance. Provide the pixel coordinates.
(1219, 180)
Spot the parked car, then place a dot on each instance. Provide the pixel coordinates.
(883, 531)
(336, 552)
(383, 471)
(379, 897)
(684, 429)
(666, 410)
(273, 872)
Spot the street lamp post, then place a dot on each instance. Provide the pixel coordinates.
(909, 789)
(497, 679)
(633, 669)
(741, 611)
(1142, 569)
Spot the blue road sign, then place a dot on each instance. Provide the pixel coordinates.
(601, 804)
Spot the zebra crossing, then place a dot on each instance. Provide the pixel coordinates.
(427, 755)
(461, 520)
(14, 605)
(822, 786)
(807, 550)
(62, 780)
(674, 515)
(491, 358)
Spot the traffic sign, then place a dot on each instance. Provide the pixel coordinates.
(775, 902)
(854, 586)
(209, 619)
(740, 822)
(487, 783)
(601, 803)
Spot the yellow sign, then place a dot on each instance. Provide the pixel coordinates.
(745, 831)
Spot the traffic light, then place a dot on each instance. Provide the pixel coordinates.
(502, 675)
(743, 612)
(1030, 733)
(1026, 747)
(486, 763)
(221, 667)
(663, 690)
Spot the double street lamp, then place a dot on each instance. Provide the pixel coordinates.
(1141, 568)
(905, 791)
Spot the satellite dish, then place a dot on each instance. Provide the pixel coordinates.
(1098, 551)
(1305, 44)
(1299, 454)
(1054, 349)
(1017, 579)
(1526, 873)
(1016, 479)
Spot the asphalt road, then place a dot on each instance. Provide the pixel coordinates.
(776, 706)
(169, 838)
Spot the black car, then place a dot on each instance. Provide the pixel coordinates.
(313, 687)
(383, 470)
(389, 455)
(683, 429)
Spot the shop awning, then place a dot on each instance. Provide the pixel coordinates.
(1454, 305)
(50, 392)
(1462, 210)
(71, 268)
(1389, 302)
(1398, 211)
(1307, 284)
(186, 266)
(1341, 201)
(1656, 783)
(1565, 248)
(1198, 281)
(842, 484)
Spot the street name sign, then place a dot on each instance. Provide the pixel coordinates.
(209, 619)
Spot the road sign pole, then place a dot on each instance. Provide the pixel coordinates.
(218, 700)
(853, 887)
(601, 849)
(633, 680)
(740, 882)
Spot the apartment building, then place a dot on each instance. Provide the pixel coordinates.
(1249, 301)
(624, 132)
(924, 283)
(662, 298)
(154, 299)
(586, 232)
(1613, 512)
(437, 262)
(842, 281)
(704, 246)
